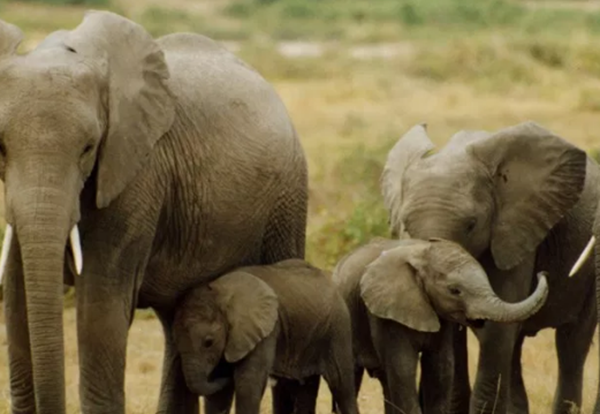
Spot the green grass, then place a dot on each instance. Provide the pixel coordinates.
(371, 20)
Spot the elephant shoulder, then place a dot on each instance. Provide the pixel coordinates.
(350, 268)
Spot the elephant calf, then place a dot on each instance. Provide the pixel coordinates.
(285, 320)
(395, 290)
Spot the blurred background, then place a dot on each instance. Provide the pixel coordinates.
(355, 75)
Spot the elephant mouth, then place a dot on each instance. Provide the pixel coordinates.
(476, 323)
(222, 370)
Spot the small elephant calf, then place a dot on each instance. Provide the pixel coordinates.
(395, 290)
(285, 320)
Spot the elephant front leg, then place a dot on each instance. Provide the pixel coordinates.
(519, 403)
(461, 389)
(19, 350)
(492, 383)
(175, 398)
(437, 371)
(572, 346)
(251, 375)
(103, 320)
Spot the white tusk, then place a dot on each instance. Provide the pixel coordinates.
(8, 235)
(583, 257)
(76, 249)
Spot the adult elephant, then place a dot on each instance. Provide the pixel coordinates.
(175, 160)
(521, 200)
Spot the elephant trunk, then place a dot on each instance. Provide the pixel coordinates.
(42, 207)
(201, 384)
(491, 307)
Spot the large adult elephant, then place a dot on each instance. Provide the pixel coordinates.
(176, 162)
(521, 200)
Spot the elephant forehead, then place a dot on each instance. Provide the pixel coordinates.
(44, 101)
(49, 73)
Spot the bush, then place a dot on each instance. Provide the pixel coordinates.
(359, 170)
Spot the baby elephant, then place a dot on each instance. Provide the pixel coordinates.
(395, 290)
(285, 320)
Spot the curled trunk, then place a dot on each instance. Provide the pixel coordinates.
(491, 307)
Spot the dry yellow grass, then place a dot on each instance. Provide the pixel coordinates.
(367, 103)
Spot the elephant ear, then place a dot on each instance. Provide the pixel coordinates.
(538, 177)
(412, 146)
(10, 39)
(140, 106)
(392, 289)
(251, 307)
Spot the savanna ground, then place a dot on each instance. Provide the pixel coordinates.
(355, 75)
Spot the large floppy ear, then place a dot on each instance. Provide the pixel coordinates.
(251, 308)
(140, 107)
(538, 177)
(412, 146)
(392, 289)
(10, 39)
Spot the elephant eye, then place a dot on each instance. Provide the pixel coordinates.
(470, 226)
(454, 291)
(88, 148)
(2, 149)
(208, 342)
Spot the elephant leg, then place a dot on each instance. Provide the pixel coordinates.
(17, 335)
(306, 397)
(388, 407)
(460, 393)
(358, 377)
(572, 346)
(175, 398)
(341, 384)
(284, 392)
(398, 360)
(220, 402)
(491, 391)
(251, 375)
(437, 370)
(519, 403)
(104, 316)
(401, 371)
(497, 342)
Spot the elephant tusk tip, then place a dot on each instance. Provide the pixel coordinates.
(583, 257)
(8, 235)
(75, 242)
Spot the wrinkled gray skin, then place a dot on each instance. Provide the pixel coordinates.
(177, 161)
(520, 200)
(285, 320)
(395, 290)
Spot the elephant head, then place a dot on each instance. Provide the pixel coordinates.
(416, 281)
(84, 108)
(219, 324)
(502, 191)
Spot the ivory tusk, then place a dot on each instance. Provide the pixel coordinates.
(8, 235)
(76, 249)
(583, 257)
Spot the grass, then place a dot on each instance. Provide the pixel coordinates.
(456, 64)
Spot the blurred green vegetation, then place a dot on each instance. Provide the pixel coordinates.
(95, 3)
